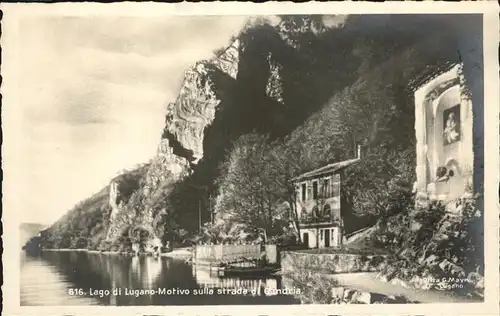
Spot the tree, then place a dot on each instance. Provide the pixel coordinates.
(381, 183)
(250, 190)
(288, 161)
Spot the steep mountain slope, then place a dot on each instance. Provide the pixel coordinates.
(87, 223)
(376, 112)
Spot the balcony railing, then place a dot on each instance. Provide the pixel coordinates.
(323, 194)
(311, 218)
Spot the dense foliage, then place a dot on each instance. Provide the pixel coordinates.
(369, 113)
(430, 242)
(81, 227)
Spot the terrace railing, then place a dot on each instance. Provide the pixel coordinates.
(218, 253)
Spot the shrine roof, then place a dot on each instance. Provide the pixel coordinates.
(429, 73)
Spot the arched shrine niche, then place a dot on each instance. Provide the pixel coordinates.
(443, 128)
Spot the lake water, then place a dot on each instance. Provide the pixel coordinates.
(81, 278)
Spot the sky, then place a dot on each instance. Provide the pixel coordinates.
(91, 100)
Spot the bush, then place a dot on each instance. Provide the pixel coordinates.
(445, 245)
(105, 246)
(465, 240)
(314, 287)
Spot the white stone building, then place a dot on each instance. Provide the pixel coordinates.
(318, 204)
(443, 127)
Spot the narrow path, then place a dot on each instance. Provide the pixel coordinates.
(366, 281)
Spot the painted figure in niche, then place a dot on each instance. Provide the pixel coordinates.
(451, 118)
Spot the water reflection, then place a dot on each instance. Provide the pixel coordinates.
(147, 269)
(207, 277)
(49, 279)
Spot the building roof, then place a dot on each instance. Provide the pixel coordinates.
(330, 168)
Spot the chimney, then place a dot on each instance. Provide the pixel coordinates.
(359, 152)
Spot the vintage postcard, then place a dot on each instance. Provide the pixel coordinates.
(236, 158)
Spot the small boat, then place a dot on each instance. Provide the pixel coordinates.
(247, 271)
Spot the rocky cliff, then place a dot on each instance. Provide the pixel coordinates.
(180, 148)
(196, 104)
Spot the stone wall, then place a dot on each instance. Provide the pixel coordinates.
(294, 262)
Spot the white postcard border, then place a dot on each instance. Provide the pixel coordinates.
(491, 146)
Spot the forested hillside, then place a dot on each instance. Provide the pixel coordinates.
(375, 111)
(85, 226)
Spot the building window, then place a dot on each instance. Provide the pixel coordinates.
(315, 190)
(327, 188)
(321, 234)
(304, 188)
